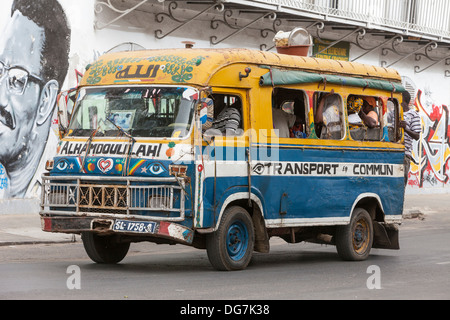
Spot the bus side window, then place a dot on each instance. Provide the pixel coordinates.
(364, 118)
(328, 115)
(289, 113)
(227, 116)
(392, 120)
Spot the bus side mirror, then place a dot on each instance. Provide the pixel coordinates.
(65, 103)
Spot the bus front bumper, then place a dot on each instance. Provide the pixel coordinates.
(130, 227)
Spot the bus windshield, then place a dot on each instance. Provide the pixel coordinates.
(141, 111)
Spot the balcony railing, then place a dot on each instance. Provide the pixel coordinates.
(410, 17)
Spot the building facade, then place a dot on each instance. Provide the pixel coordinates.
(412, 36)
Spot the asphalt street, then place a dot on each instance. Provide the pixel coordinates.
(26, 228)
(36, 265)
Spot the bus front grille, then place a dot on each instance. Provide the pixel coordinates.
(126, 198)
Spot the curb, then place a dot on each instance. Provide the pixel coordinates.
(414, 214)
(33, 242)
(74, 239)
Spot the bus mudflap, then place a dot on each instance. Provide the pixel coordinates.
(385, 236)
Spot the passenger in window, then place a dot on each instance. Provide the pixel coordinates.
(298, 131)
(356, 126)
(228, 121)
(327, 118)
(286, 120)
(368, 114)
(207, 113)
(283, 121)
(299, 128)
(354, 106)
(362, 110)
(390, 114)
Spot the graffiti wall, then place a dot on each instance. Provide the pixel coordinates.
(431, 153)
(34, 49)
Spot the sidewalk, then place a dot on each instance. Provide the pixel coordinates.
(16, 229)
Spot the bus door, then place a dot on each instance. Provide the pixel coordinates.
(225, 156)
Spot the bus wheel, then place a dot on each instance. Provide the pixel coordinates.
(231, 246)
(354, 241)
(104, 249)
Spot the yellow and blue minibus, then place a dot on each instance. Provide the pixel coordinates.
(222, 149)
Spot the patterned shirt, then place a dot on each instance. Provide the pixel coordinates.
(228, 121)
(412, 119)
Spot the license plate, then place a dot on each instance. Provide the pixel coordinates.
(134, 226)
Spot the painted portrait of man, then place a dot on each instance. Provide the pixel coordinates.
(34, 54)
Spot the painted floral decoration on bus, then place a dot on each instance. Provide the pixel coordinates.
(131, 69)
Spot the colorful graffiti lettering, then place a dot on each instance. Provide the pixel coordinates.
(3, 179)
(431, 154)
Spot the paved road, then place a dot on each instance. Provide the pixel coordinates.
(420, 270)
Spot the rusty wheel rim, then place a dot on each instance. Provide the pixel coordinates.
(361, 236)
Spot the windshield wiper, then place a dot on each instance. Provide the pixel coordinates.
(122, 131)
(87, 147)
(130, 150)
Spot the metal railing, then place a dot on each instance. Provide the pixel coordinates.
(99, 197)
(428, 17)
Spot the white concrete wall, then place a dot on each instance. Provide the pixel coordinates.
(432, 152)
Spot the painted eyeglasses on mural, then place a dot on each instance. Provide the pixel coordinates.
(137, 111)
(16, 78)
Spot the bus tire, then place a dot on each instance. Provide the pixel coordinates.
(104, 249)
(354, 241)
(230, 247)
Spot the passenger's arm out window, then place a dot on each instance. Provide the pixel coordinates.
(364, 117)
